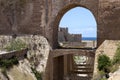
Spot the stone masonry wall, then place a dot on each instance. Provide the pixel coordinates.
(60, 7)
(108, 47)
(43, 17)
(18, 54)
(22, 16)
(108, 20)
(65, 36)
(37, 55)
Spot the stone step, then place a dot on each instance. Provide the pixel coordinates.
(83, 68)
(83, 65)
(79, 78)
(81, 72)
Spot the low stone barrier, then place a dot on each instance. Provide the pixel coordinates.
(19, 54)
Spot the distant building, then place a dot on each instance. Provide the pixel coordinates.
(64, 36)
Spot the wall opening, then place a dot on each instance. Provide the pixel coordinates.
(81, 66)
(77, 29)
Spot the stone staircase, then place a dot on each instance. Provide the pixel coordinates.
(75, 77)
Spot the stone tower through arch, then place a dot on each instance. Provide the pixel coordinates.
(60, 15)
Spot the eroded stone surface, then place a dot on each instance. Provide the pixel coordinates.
(37, 57)
(109, 48)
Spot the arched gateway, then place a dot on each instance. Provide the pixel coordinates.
(60, 15)
(41, 17)
(63, 61)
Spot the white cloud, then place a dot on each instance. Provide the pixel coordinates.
(84, 31)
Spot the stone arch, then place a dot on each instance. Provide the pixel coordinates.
(59, 17)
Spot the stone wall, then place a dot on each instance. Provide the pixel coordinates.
(43, 17)
(38, 16)
(22, 16)
(108, 47)
(85, 44)
(37, 55)
(18, 54)
(108, 20)
(60, 7)
(65, 36)
(74, 37)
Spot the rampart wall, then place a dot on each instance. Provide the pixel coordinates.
(65, 36)
(43, 16)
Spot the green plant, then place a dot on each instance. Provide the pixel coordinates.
(103, 79)
(102, 73)
(8, 63)
(16, 44)
(4, 73)
(37, 74)
(116, 58)
(114, 68)
(104, 63)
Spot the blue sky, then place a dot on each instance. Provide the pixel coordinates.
(80, 20)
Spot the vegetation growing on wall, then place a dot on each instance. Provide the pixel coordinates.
(105, 65)
(7, 64)
(37, 74)
(16, 44)
(116, 58)
(79, 59)
(103, 79)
